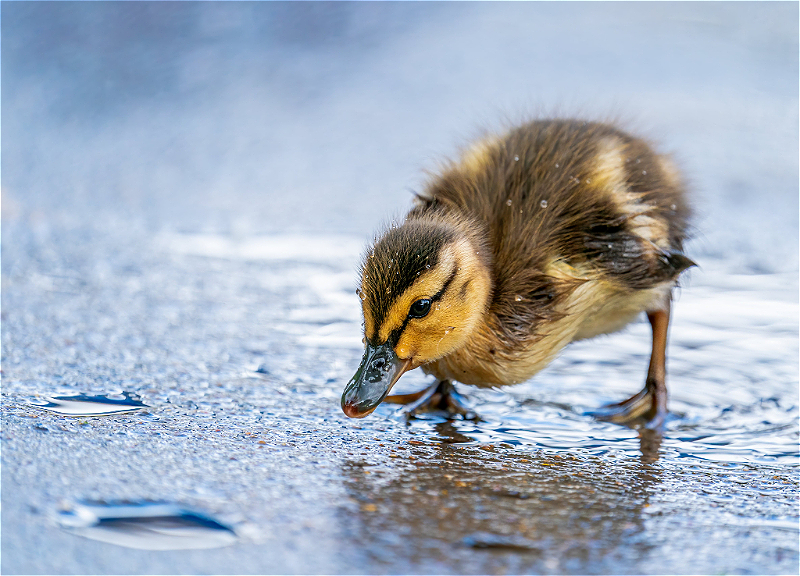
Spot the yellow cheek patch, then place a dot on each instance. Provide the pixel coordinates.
(430, 337)
(454, 316)
(426, 287)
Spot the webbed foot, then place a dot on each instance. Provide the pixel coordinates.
(647, 408)
(440, 396)
(646, 412)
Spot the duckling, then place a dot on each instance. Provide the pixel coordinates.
(559, 230)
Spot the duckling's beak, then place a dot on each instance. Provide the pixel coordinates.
(380, 369)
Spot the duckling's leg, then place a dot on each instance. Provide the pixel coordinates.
(650, 404)
(440, 395)
(656, 382)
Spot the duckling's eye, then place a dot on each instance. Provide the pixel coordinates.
(420, 308)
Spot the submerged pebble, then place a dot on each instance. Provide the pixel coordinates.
(487, 540)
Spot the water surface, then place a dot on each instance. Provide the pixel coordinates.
(187, 188)
(254, 433)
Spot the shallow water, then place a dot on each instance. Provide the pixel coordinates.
(254, 435)
(184, 223)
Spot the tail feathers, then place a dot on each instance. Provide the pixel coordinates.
(675, 262)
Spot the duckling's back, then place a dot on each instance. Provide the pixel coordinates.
(563, 202)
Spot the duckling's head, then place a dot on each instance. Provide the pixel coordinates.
(424, 287)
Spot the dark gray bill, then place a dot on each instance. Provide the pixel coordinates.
(380, 368)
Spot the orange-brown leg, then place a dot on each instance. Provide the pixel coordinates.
(650, 404)
(409, 398)
(656, 381)
(440, 395)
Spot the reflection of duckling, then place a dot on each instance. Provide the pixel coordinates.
(558, 231)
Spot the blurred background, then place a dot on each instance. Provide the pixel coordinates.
(256, 117)
(186, 191)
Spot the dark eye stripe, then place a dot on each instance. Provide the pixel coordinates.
(462, 293)
(394, 336)
(446, 285)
